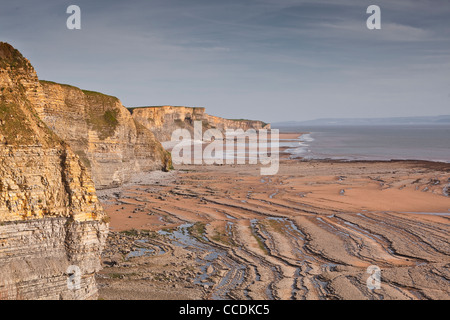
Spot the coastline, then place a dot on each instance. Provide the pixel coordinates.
(305, 151)
(289, 137)
(331, 211)
(368, 144)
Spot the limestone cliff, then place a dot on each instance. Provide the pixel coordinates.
(101, 131)
(50, 217)
(162, 121)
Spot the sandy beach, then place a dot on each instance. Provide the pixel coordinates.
(309, 232)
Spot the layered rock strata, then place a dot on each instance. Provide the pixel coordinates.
(52, 227)
(102, 132)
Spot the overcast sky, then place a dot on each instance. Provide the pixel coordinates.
(272, 60)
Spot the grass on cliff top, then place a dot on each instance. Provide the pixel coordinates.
(11, 57)
(44, 82)
(88, 93)
(143, 107)
(99, 95)
(262, 122)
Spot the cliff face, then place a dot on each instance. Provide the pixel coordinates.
(224, 124)
(50, 217)
(162, 121)
(52, 138)
(101, 131)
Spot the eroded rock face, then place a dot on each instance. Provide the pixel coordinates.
(102, 132)
(164, 120)
(50, 217)
(37, 253)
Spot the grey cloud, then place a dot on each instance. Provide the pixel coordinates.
(265, 59)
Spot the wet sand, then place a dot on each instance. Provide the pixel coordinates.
(309, 232)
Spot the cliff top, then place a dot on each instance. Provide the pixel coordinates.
(201, 109)
(11, 57)
(86, 92)
(249, 120)
(19, 123)
(44, 82)
(165, 106)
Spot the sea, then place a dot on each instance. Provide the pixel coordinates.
(387, 142)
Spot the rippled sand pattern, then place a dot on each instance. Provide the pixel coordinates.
(310, 232)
